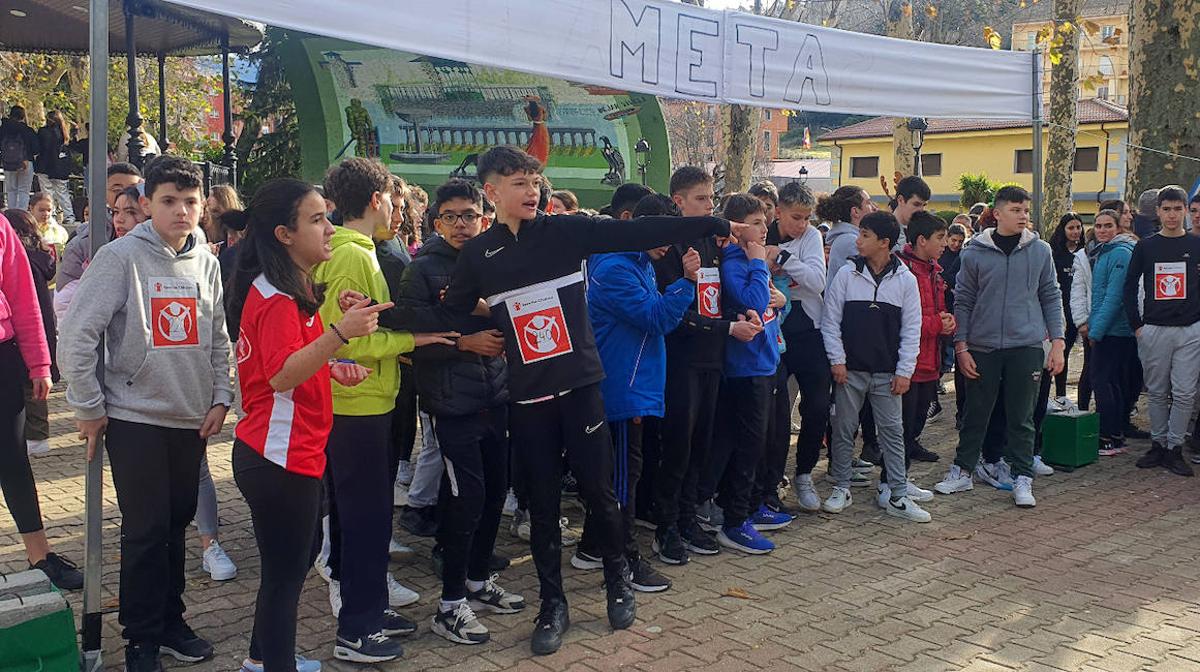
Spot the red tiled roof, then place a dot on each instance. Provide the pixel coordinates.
(1091, 111)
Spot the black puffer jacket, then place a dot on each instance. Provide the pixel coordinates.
(450, 382)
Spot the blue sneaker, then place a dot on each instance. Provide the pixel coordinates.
(302, 665)
(744, 538)
(765, 519)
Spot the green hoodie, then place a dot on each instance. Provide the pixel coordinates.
(354, 266)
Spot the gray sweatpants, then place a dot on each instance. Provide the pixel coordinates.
(889, 426)
(1171, 363)
(427, 473)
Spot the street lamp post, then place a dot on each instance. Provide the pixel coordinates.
(803, 174)
(917, 126)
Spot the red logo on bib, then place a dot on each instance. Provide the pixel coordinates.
(174, 322)
(1170, 281)
(542, 335)
(708, 292)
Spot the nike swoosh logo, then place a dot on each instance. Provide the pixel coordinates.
(357, 644)
(488, 254)
(593, 428)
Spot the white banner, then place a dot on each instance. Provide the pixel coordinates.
(678, 51)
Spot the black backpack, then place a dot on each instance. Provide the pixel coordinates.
(13, 151)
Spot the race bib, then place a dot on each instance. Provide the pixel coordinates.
(1170, 280)
(539, 325)
(173, 313)
(708, 292)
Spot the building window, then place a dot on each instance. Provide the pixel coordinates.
(1106, 66)
(1107, 32)
(1024, 161)
(767, 113)
(931, 165)
(767, 141)
(1102, 93)
(864, 166)
(1031, 41)
(1087, 159)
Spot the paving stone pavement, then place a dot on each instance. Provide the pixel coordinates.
(1102, 575)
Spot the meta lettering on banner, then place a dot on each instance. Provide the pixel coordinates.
(708, 292)
(1170, 280)
(539, 325)
(173, 313)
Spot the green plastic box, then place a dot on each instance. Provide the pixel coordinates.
(1071, 440)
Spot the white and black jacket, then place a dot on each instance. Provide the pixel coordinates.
(872, 327)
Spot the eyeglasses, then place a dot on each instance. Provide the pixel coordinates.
(468, 218)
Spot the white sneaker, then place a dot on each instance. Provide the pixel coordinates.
(806, 493)
(858, 479)
(568, 536)
(217, 564)
(398, 595)
(1003, 474)
(907, 509)
(996, 474)
(1040, 468)
(859, 465)
(918, 494)
(839, 501)
(399, 494)
(956, 480)
(1023, 492)
(37, 446)
(510, 504)
(520, 525)
(1055, 405)
(322, 567)
(883, 493)
(398, 551)
(335, 597)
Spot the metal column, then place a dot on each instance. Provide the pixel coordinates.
(1038, 187)
(93, 542)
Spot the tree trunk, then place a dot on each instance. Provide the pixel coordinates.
(1163, 51)
(1064, 119)
(900, 24)
(740, 147)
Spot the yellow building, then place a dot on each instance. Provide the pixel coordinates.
(1002, 150)
(1103, 55)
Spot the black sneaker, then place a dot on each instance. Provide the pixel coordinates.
(142, 658)
(436, 560)
(870, 453)
(419, 521)
(922, 454)
(376, 648)
(179, 642)
(1153, 457)
(1175, 463)
(498, 563)
(459, 625)
(548, 629)
(495, 599)
(570, 486)
(622, 606)
(935, 409)
(772, 502)
(63, 573)
(1132, 432)
(669, 545)
(696, 540)
(393, 624)
(941, 388)
(646, 579)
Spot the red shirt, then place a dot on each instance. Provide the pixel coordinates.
(287, 428)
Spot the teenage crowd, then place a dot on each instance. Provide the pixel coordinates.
(641, 358)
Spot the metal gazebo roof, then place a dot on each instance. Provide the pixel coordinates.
(61, 26)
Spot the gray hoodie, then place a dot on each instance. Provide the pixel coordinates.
(1007, 301)
(841, 243)
(166, 351)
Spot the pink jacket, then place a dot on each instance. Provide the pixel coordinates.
(20, 316)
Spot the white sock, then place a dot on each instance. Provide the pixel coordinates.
(450, 605)
(474, 586)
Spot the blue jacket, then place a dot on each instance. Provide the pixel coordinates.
(1107, 317)
(629, 318)
(746, 286)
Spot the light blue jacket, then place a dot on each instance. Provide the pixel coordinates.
(1107, 317)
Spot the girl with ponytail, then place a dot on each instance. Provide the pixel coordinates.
(283, 353)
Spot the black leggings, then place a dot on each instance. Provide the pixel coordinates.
(1060, 381)
(285, 508)
(16, 477)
